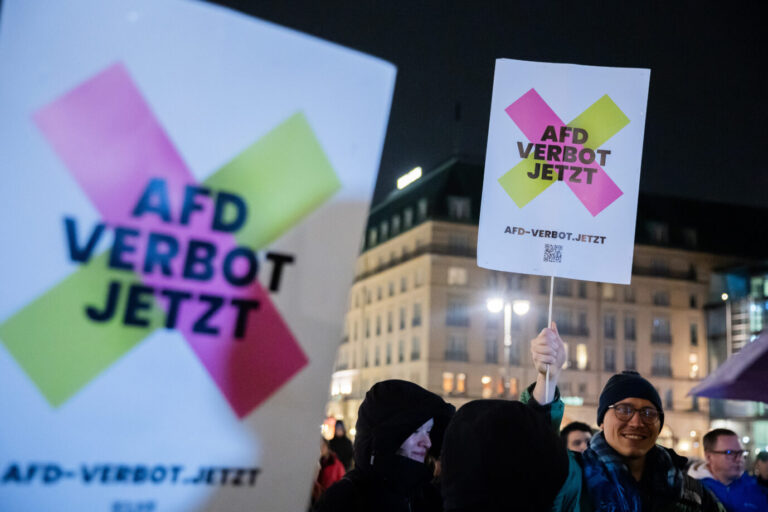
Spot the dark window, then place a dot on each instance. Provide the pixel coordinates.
(629, 328)
(609, 358)
(694, 334)
(491, 348)
(416, 320)
(457, 314)
(609, 326)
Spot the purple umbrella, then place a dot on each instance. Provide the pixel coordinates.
(744, 376)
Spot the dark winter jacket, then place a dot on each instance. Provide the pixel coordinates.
(501, 456)
(596, 475)
(382, 480)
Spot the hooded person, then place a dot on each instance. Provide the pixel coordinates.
(341, 445)
(501, 456)
(398, 424)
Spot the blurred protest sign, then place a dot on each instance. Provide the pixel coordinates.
(562, 170)
(182, 201)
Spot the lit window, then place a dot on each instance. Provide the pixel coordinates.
(513, 387)
(457, 276)
(581, 356)
(487, 388)
(461, 383)
(609, 292)
(372, 237)
(447, 382)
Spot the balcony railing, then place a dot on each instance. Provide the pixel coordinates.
(441, 249)
(456, 355)
(658, 337)
(575, 330)
(687, 275)
(661, 371)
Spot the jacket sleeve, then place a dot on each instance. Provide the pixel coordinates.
(553, 410)
(569, 495)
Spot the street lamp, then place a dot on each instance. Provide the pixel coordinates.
(520, 307)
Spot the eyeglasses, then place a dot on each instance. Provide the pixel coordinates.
(732, 454)
(624, 412)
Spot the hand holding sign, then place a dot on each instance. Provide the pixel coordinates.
(547, 351)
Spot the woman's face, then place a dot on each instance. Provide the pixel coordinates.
(418, 444)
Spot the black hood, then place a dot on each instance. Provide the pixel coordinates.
(498, 452)
(391, 411)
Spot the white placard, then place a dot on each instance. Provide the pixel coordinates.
(214, 172)
(562, 170)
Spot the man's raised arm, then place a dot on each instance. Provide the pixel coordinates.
(547, 349)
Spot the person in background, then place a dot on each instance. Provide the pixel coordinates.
(331, 471)
(623, 469)
(761, 470)
(737, 491)
(576, 436)
(342, 446)
(398, 424)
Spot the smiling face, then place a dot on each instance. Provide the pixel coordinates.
(632, 438)
(418, 444)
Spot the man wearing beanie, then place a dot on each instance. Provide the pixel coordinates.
(398, 424)
(623, 469)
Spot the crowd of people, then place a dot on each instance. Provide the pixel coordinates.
(413, 452)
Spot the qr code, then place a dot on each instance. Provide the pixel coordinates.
(553, 253)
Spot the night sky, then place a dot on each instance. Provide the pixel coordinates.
(705, 133)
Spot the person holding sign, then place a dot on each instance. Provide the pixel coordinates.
(398, 424)
(623, 469)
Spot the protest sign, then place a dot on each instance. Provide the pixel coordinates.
(184, 189)
(562, 170)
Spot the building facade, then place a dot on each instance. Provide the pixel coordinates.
(418, 310)
(737, 312)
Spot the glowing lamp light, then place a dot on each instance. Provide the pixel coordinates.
(745, 439)
(486, 379)
(693, 433)
(724, 296)
(408, 178)
(521, 307)
(495, 305)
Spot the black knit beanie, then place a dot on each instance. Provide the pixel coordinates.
(627, 384)
(501, 455)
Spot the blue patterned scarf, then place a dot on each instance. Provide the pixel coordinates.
(611, 485)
